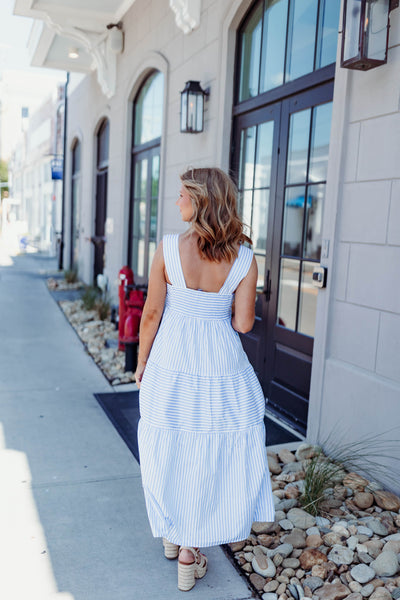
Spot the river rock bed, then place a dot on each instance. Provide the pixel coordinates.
(352, 552)
(100, 339)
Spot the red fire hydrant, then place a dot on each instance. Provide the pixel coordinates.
(131, 302)
(125, 278)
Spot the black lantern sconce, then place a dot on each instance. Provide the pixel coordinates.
(365, 33)
(192, 107)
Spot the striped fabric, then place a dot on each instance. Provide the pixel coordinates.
(201, 433)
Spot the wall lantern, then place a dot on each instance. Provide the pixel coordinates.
(365, 33)
(192, 107)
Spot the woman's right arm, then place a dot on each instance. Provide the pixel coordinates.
(245, 300)
(152, 311)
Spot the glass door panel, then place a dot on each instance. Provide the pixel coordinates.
(139, 217)
(307, 159)
(308, 301)
(299, 139)
(255, 153)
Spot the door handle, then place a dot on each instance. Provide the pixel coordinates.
(267, 286)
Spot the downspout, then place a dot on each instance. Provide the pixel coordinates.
(61, 252)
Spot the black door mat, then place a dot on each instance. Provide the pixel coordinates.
(275, 434)
(122, 408)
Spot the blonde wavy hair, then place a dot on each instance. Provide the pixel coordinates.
(215, 218)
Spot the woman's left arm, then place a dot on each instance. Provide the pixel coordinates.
(152, 311)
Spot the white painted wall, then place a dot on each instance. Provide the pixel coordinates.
(152, 40)
(356, 366)
(356, 374)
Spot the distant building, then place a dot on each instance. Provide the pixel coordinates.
(313, 146)
(37, 195)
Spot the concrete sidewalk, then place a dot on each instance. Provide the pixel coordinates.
(73, 524)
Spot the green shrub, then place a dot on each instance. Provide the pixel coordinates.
(103, 307)
(71, 275)
(89, 297)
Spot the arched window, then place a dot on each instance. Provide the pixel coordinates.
(145, 172)
(75, 201)
(282, 40)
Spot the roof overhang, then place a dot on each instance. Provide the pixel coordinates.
(87, 35)
(75, 35)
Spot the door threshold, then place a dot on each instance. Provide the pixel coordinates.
(295, 438)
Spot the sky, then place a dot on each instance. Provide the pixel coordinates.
(20, 84)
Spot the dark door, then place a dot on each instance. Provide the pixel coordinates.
(100, 221)
(256, 164)
(75, 204)
(99, 239)
(281, 160)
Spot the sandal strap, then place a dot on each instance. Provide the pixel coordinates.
(199, 558)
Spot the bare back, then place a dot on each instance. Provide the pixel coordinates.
(200, 273)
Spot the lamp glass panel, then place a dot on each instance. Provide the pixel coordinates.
(273, 44)
(191, 112)
(352, 33)
(184, 111)
(375, 28)
(250, 54)
(199, 112)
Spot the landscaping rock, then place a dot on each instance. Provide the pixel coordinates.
(341, 555)
(257, 581)
(387, 500)
(264, 566)
(386, 564)
(311, 557)
(362, 573)
(313, 583)
(332, 591)
(297, 538)
(300, 518)
(305, 451)
(363, 500)
(381, 593)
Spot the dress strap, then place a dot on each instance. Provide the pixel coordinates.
(172, 260)
(239, 270)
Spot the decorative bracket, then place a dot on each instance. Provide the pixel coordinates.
(187, 14)
(98, 46)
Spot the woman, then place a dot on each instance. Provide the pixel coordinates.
(201, 433)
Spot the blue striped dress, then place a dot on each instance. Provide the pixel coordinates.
(201, 433)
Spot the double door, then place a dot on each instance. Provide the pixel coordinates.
(280, 158)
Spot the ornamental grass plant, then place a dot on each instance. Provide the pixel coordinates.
(71, 275)
(90, 296)
(334, 457)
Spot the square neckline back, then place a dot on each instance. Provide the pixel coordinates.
(186, 287)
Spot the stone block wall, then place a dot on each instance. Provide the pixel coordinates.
(357, 377)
